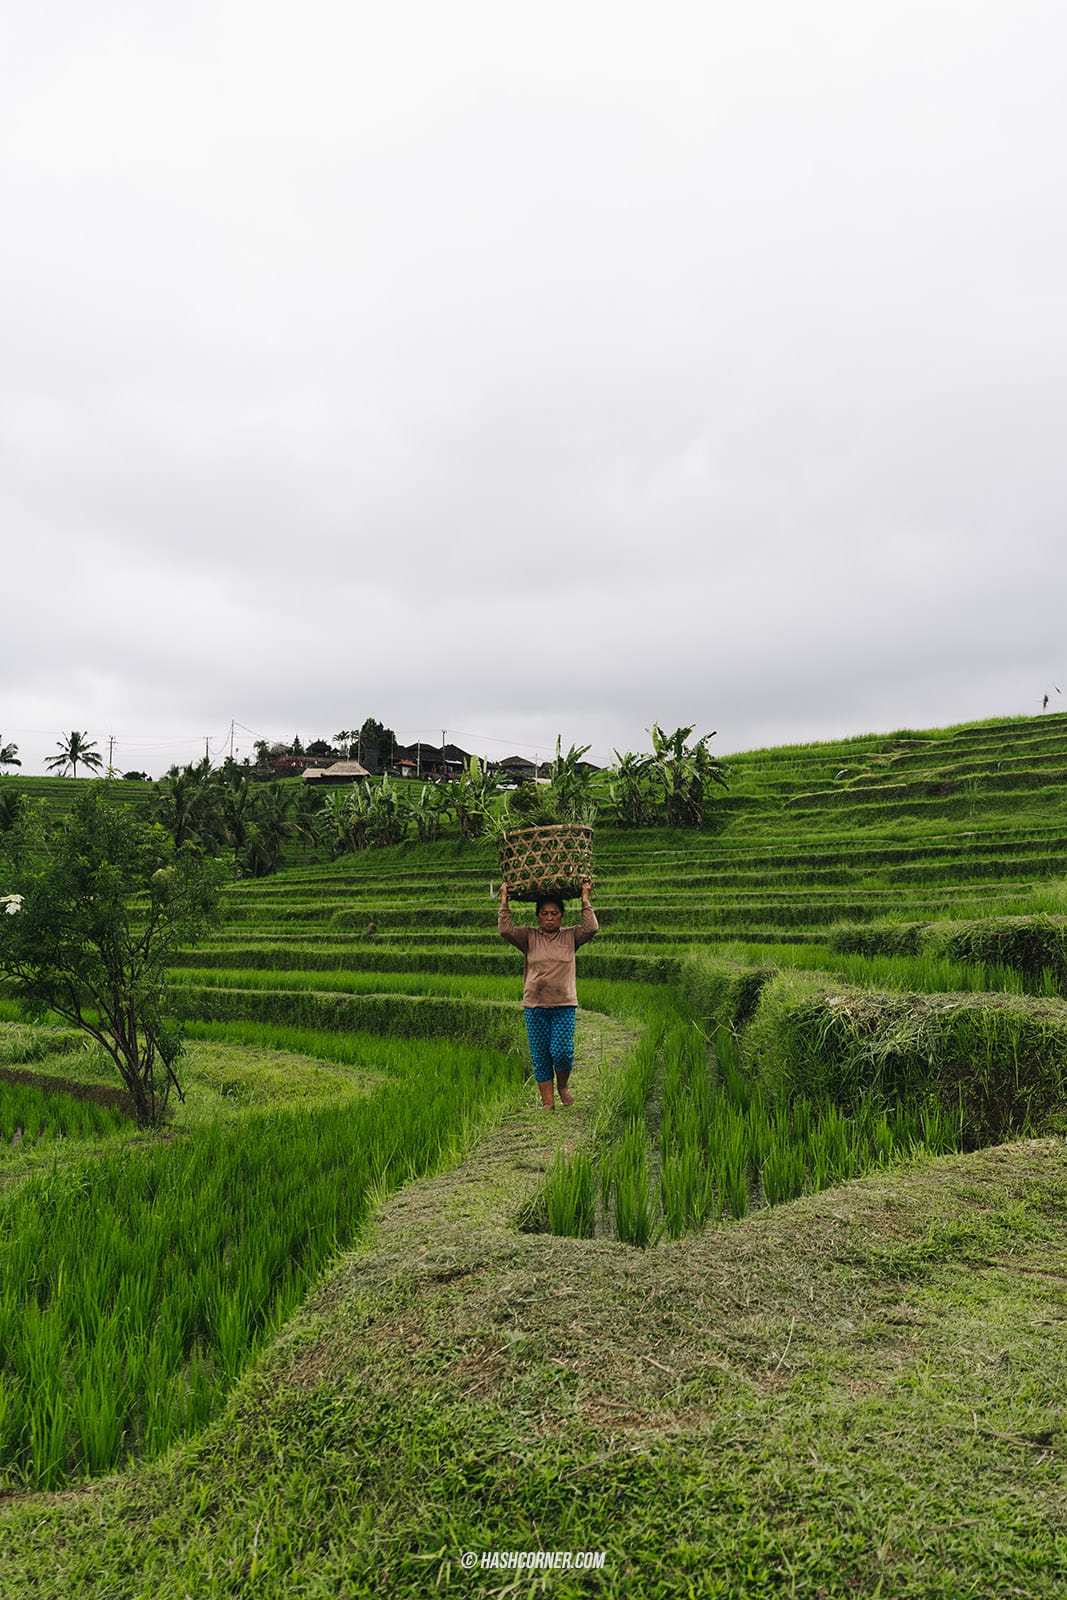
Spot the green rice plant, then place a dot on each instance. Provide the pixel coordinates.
(29, 1113)
(570, 1196)
(630, 1191)
(731, 1163)
(784, 1173)
(137, 1287)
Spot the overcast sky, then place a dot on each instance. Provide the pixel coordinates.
(517, 370)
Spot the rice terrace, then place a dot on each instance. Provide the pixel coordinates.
(777, 1307)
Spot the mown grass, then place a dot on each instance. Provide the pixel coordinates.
(857, 1394)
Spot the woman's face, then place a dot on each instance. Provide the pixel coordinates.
(549, 917)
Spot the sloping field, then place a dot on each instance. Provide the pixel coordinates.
(851, 1392)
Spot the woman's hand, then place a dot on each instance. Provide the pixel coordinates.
(587, 889)
(503, 894)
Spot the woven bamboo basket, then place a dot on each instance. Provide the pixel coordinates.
(549, 860)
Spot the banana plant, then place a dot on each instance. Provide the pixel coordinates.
(472, 796)
(342, 823)
(631, 787)
(573, 784)
(430, 810)
(682, 773)
(385, 817)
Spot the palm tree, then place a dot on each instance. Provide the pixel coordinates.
(187, 804)
(270, 827)
(79, 747)
(9, 755)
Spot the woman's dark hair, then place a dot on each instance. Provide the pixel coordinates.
(549, 900)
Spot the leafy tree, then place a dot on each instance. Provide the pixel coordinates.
(79, 747)
(94, 914)
(373, 743)
(307, 805)
(388, 813)
(9, 755)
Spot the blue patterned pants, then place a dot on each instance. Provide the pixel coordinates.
(550, 1030)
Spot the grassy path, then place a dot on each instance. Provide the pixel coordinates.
(857, 1394)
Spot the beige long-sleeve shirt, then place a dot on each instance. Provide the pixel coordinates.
(548, 977)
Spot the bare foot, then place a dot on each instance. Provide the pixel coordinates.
(566, 1097)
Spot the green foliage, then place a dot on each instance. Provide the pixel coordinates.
(630, 790)
(681, 773)
(100, 906)
(670, 785)
(11, 802)
(570, 1196)
(720, 1146)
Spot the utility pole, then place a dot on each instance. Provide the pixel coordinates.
(110, 755)
(231, 738)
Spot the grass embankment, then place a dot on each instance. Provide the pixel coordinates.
(860, 1393)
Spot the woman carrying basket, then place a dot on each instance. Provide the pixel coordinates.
(549, 994)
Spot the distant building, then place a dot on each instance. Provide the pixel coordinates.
(336, 772)
(520, 768)
(429, 760)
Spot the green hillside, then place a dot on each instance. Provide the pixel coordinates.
(822, 1080)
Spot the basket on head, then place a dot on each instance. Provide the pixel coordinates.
(549, 860)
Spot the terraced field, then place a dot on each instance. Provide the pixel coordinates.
(723, 979)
